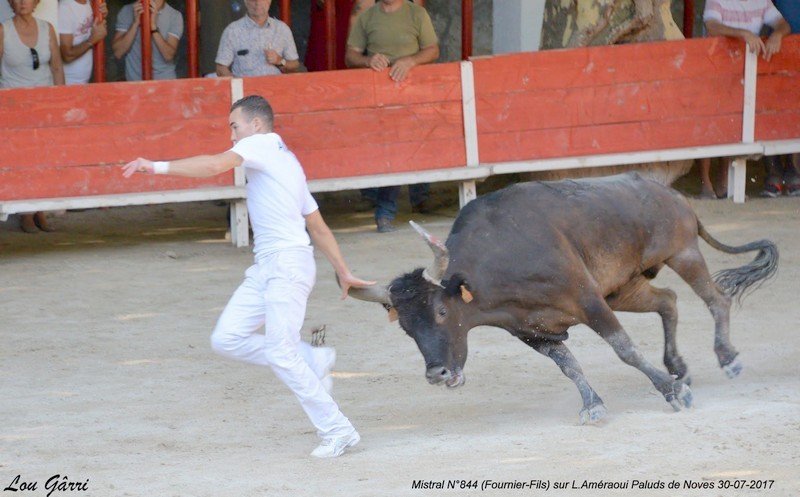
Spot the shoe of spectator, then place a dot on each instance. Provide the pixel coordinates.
(771, 191)
(384, 225)
(793, 190)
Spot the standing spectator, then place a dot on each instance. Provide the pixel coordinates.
(395, 35)
(783, 171)
(257, 45)
(166, 28)
(740, 19)
(29, 57)
(79, 32)
(274, 294)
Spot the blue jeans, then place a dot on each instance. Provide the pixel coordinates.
(385, 198)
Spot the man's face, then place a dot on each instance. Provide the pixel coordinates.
(241, 126)
(258, 8)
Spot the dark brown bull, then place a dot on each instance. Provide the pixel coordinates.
(538, 258)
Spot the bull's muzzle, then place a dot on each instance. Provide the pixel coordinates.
(439, 374)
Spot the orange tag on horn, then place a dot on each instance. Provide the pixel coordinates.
(393, 314)
(466, 295)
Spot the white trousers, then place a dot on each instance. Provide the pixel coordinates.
(274, 294)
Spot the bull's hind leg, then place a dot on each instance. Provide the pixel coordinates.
(638, 295)
(691, 267)
(593, 408)
(602, 320)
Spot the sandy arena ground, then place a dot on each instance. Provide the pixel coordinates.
(107, 377)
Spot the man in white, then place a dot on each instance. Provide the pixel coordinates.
(78, 33)
(276, 288)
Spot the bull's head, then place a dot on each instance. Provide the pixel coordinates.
(431, 311)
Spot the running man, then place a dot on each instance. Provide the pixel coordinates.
(275, 290)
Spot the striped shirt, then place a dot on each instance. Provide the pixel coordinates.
(750, 15)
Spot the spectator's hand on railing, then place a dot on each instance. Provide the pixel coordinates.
(772, 46)
(754, 43)
(378, 62)
(401, 68)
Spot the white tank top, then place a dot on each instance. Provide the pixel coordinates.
(16, 70)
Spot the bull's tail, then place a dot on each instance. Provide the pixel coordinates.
(739, 282)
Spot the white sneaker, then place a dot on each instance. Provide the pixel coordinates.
(335, 446)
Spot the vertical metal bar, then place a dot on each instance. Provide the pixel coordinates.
(147, 42)
(466, 29)
(99, 54)
(286, 12)
(192, 41)
(330, 34)
(688, 18)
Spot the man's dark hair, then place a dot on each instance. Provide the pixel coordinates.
(255, 106)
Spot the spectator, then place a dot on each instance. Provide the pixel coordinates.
(783, 171)
(166, 28)
(395, 35)
(257, 45)
(740, 19)
(29, 57)
(79, 32)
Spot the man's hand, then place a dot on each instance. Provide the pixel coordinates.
(272, 56)
(378, 62)
(99, 31)
(401, 68)
(347, 280)
(153, 15)
(772, 46)
(137, 166)
(755, 43)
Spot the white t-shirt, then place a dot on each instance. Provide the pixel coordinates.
(277, 194)
(76, 19)
(750, 15)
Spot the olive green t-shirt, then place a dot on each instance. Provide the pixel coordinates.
(397, 34)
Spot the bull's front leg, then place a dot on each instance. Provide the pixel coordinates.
(593, 408)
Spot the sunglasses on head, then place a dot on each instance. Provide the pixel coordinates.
(35, 56)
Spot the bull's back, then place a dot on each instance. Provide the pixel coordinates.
(610, 228)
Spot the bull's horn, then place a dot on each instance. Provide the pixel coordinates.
(441, 256)
(379, 294)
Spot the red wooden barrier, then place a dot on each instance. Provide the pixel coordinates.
(778, 94)
(624, 98)
(67, 141)
(358, 122)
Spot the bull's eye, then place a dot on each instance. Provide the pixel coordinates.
(441, 314)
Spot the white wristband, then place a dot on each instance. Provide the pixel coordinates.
(161, 167)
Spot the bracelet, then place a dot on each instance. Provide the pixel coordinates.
(154, 30)
(161, 167)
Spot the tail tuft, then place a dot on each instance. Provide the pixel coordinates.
(739, 282)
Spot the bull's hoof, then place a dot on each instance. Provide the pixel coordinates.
(733, 368)
(681, 396)
(593, 414)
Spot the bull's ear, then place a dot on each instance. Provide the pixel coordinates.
(458, 285)
(466, 295)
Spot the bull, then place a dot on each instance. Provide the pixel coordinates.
(538, 258)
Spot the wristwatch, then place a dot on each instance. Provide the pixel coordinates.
(281, 63)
